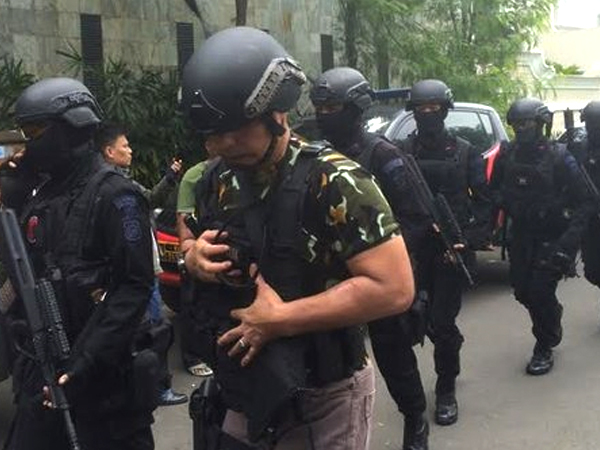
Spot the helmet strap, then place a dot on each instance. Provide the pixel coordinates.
(276, 131)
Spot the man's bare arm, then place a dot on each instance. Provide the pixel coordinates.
(381, 285)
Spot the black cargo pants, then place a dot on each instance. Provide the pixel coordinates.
(535, 288)
(392, 348)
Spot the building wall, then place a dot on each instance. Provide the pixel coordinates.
(143, 32)
(560, 92)
(573, 46)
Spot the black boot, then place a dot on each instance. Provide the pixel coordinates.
(542, 360)
(446, 409)
(416, 433)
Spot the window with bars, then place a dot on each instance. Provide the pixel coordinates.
(185, 43)
(91, 48)
(326, 52)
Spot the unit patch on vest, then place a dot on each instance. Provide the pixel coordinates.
(130, 215)
(522, 181)
(30, 231)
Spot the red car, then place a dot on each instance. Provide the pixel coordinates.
(168, 249)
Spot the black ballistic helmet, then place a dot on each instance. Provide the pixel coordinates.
(430, 91)
(529, 108)
(58, 99)
(238, 74)
(591, 112)
(342, 85)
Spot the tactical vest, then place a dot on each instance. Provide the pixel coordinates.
(592, 163)
(447, 172)
(370, 141)
(274, 228)
(530, 193)
(56, 228)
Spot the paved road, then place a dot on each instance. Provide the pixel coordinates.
(501, 408)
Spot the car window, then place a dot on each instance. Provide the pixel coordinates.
(406, 127)
(475, 127)
(472, 126)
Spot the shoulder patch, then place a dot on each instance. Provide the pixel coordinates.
(128, 206)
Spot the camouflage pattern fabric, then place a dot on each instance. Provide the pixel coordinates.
(349, 210)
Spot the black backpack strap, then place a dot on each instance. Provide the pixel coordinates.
(205, 192)
(80, 212)
(365, 158)
(287, 198)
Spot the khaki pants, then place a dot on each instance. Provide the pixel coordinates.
(337, 416)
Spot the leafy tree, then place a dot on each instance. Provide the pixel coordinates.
(13, 79)
(145, 102)
(368, 29)
(473, 45)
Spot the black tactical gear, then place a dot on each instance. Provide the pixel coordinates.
(540, 188)
(452, 167)
(342, 85)
(430, 91)
(66, 114)
(346, 87)
(285, 366)
(591, 116)
(588, 154)
(528, 109)
(392, 338)
(591, 113)
(430, 123)
(92, 239)
(58, 98)
(238, 75)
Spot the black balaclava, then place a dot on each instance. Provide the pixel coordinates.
(57, 151)
(340, 128)
(431, 124)
(527, 137)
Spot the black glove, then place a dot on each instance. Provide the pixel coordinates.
(553, 257)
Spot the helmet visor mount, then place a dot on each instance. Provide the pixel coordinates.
(209, 119)
(279, 72)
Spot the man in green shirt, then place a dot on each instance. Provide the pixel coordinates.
(186, 200)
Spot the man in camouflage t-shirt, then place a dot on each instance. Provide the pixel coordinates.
(326, 242)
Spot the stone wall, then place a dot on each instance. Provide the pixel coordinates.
(143, 32)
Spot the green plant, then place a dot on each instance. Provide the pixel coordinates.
(573, 69)
(13, 79)
(145, 103)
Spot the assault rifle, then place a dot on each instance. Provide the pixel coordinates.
(50, 344)
(443, 217)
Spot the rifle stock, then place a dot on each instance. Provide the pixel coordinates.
(442, 215)
(50, 343)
